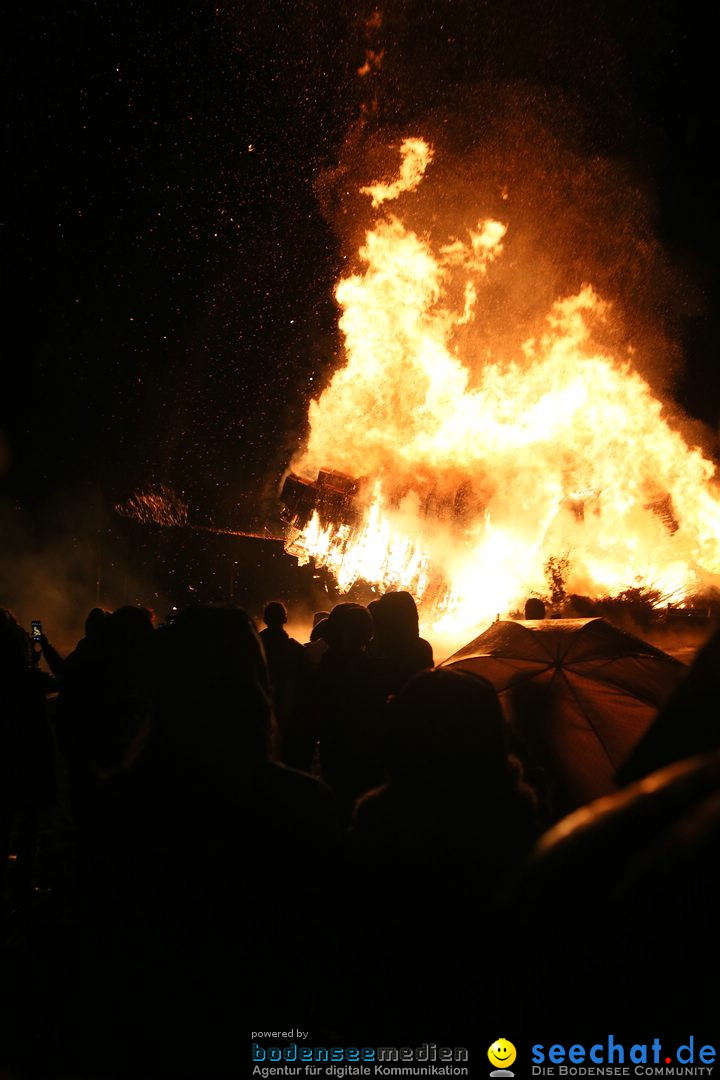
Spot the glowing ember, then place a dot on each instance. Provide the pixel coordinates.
(164, 507)
(160, 507)
(472, 482)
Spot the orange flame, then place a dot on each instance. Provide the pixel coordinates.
(474, 482)
(416, 156)
(373, 61)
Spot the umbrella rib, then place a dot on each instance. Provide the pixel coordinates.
(591, 676)
(525, 674)
(560, 671)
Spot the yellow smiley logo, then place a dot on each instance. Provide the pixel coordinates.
(502, 1053)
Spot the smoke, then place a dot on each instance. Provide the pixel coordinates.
(57, 570)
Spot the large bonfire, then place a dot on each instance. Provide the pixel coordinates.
(470, 479)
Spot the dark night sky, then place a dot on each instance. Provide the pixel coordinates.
(170, 272)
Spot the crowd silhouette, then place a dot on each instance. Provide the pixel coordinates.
(198, 812)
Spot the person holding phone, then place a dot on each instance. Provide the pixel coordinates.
(42, 647)
(27, 757)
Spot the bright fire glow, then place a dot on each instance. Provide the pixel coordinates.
(476, 476)
(416, 156)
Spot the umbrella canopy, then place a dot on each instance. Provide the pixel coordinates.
(580, 692)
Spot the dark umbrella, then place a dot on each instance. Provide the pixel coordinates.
(579, 692)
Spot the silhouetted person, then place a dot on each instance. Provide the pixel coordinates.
(347, 706)
(397, 647)
(27, 780)
(104, 702)
(433, 849)
(94, 623)
(88, 647)
(618, 914)
(42, 647)
(317, 646)
(213, 861)
(289, 669)
(534, 608)
(688, 724)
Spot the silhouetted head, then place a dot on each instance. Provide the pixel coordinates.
(445, 726)
(275, 615)
(396, 616)
(212, 686)
(319, 616)
(129, 627)
(534, 608)
(319, 630)
(95, 622)
(349, 628)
